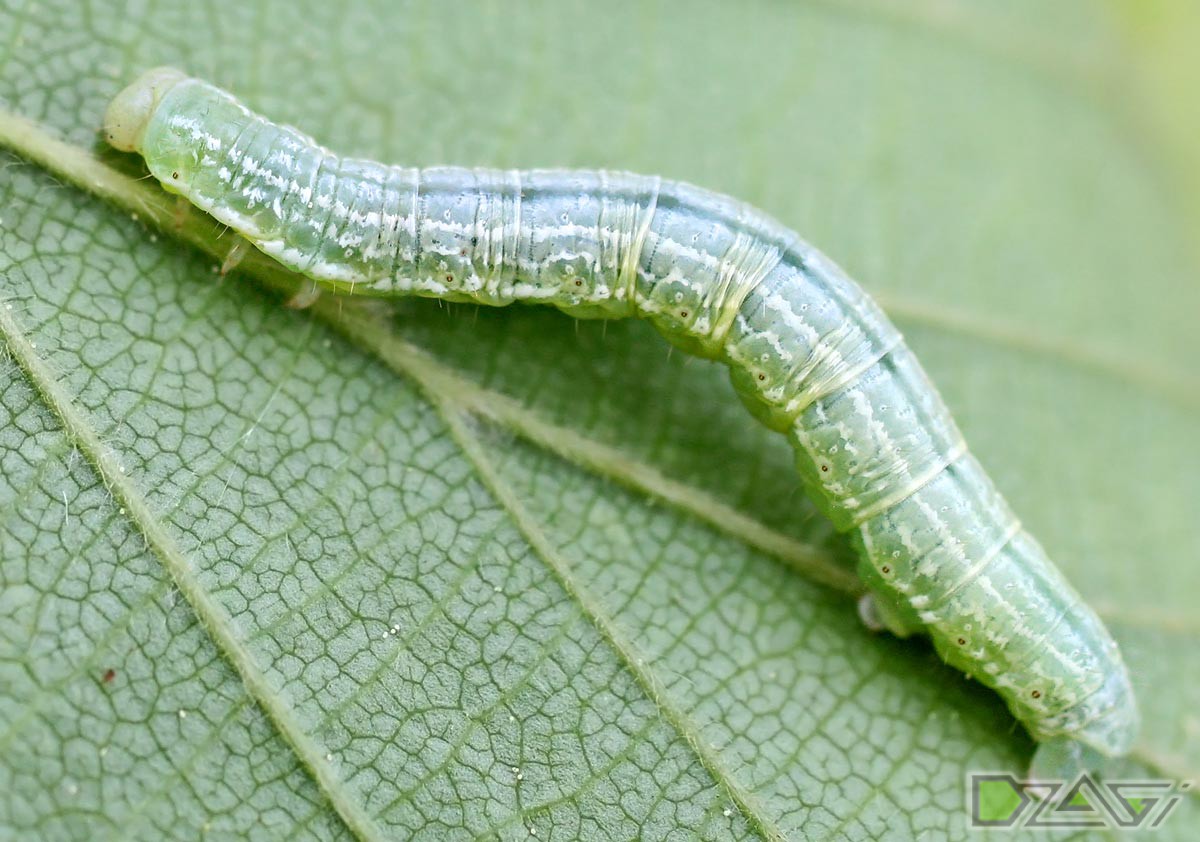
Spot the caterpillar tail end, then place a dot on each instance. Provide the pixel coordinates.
(1104, 728)
(128, 114)
(1106, 734)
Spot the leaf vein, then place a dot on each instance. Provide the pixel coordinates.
(212, 615)
(747, 801)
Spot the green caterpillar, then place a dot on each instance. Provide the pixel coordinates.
(810, 354)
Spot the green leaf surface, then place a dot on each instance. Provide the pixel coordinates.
(375, 572)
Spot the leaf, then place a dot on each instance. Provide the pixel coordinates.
(438, 573)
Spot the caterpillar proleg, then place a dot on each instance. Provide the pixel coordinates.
(809, 352)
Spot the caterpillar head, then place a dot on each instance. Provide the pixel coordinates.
(129, 113)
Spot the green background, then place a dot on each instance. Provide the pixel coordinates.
(437, 572)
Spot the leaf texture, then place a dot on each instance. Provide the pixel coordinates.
(437, 573)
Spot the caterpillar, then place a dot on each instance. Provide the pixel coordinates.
(810, 354)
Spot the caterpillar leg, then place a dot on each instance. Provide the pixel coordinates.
(1063, 759)
(304, 298)
(879, 612)
(235, 255)
(182, 209)
(878, 616)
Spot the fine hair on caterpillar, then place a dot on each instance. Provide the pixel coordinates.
(810, 354)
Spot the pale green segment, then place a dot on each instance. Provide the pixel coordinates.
(809, 351)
